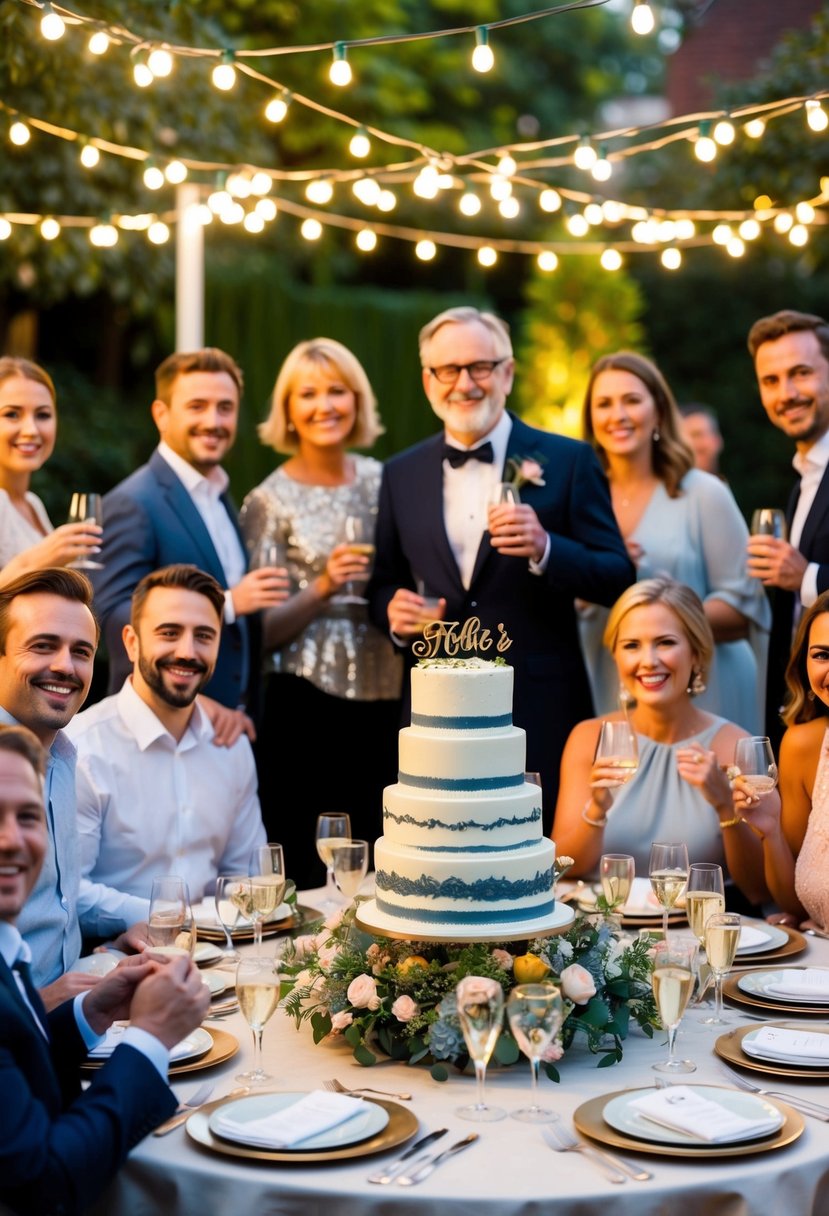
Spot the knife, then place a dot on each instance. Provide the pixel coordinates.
(389, 1172)
(425, 1170)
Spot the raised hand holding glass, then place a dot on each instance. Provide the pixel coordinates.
(617, 755)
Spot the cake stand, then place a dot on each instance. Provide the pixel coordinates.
(370, 919)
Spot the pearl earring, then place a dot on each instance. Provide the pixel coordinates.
(697, 684)
(656, 436)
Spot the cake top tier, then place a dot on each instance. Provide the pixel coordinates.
(476, 690)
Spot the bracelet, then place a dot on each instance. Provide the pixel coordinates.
(594, 823)
(731, 823)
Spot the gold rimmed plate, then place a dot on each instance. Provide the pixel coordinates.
(590, 1121)
(729, 1047)
(223, 1046)
(738, 996)
(795, 943)
(401, 1126)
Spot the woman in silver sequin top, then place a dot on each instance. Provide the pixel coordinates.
(332, 680)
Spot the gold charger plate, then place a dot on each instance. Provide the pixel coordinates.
(736, 996)
(589, 1120)
(401, 1126)
(301, 917)
(224, 1046)
(795, 945)
(728, 1047)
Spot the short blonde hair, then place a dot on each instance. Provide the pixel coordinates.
(331, 356)
(685, 604)
(464, 315)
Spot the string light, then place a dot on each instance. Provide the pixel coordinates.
(224, 73)
(499, 187)
(425, 250)
(735, 247)
(611, 259)
(319, 192)
(487, 256)
(804, 213)
(153, 177)
(158, 233)
(507, 166)
(277, 107)
(90, 156)
(469, 203)
(142, 75)
(360, 144)
(425, 185)
(547, 261)
(366, 240)
(722, 234)
(483, 59)
(311, 229)
(671, 258)
(577, 225)
(175, 172)
(340, 71)
(99, 43)
(19, 134)
(593, 214)
(724, 132)
(749, 230)
(260, 183)
(602, 170)
(104, 236)
(549, 200)
(49, 228)
(160, 61)
(585, 155)
(510, 208)
(386, 200)
(755, 128)
(367, 190)
(816, 116)
(52, 26)
(641, 19)
(685, 230)
(704, 147)
(782, 222)
(254, 222)
(5, 229)
(799, 234)
(267, 208)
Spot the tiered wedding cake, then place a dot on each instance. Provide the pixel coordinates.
(462, 848)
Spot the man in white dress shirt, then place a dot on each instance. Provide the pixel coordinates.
(155, 796)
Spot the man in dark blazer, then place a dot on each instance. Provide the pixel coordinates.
(177, 509)
(791, 360)
(522, 566)
(59, 1146)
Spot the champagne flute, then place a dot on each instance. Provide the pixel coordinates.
(358, 541)
(618, 753)
(480, 1003)
(171, 928)
(769, 521)
(704, 895)
(754, 757)
(234, 905)
(331, 826)
(349, 861)
(672, 979)
(267, 886)
(257, 990)
(668, 872)
(86, 508)
(535, 1013)
(722, 936)
(616, 871)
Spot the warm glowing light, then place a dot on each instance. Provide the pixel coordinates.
(277, 107)
(469, 203)
(735, 247)
(267, 208)
(499, 187)
(722, 234)
(135, 223)
(724, 132)
(510, 208)
(783, 222)
(602, 170)
(153, 177)
(52, 26)
(799, 234)
(666, 231)
(585, 155)
(705, 149)
(612, 211)
(158, 233)
(197, 215)
(5, 229)
(749, 230)
(549, 200)
(547, 260)
(645, 232)
(425, 250)
(90, 156)
(366, 240)
(219, 201)
(319, 192)
(507, 166)
(233, 214)
(360, 144)
(311, 230)
(816, 116)
(253, 222)
(425, 185)
(224, 73)
(641, 19)
(98, 43)
(593, 214)
(482, 57)
(142, 76)
(238, 185)
(260, 183)
(685, 229)
(367, 190)
(160, 63)
(487, 255)
(386, 200)
(611, 259)
(19, 134)
(804, 213)
(340, 71)
(762, 202)
(49, 228)
(671, 258)
(103, 235)
(755, 128)
(577, 225)
(175, 172)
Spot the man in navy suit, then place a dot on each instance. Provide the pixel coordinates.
(59, 1147)
(791, 360)
(522, 565)
(176, 509)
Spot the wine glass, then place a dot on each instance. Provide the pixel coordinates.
(234, 904)
(754, 757)
(480, 1003)
(722, 936)
(769, 521)
(535, 1013)
(171, 928)
(349, 861)
(704, 895)
(257, 991)
(617, 753)
(331, 826)
(673, 980)
(267, 886)
(357, 541)
(533, 779)
(86, 508)
(668, 872)
(269, 552)
(616, 871)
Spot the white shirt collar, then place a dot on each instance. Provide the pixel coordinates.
(12, 945)
(146, 727)
(215, 483)
(817, 456)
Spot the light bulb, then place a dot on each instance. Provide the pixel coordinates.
(754, 128)
(499, 187)
(641, 19)
(783, 222)
(238, 185)
(386, 200)
(593, 214)
(613, 211)
(277, 107)
(705, 149)
(425, 185)
(602, 170)
(219, 201)
(175, 172)
(366, 240)
(804, 213)
(482, 57)
(340, 71)
(685, 229)
(5, 229)
(260, 183)
(724, 132)
(549, 200)
(749, 230)
(469, 203)
(577, 225)
(142, 76)
(367, 190)
(49, 228)
(153, 177)
(510, 207)
(267, 208)
(234, 214)
(254, 222)
(507, 166)
(762, 202)
(360, 144)
(311, 230)
(19, 134)
(52, 26)
(160, 62)
(425, 250)
(816, 116)
(158, 233)
(90, 156)
(735, 247)
(196, 216)
(671, 259)
(547, 260)
(585, 155)
(319, 192)
(103, 235)
(98, 43)
(224, 73)
(722, 234)
(611, 259)
(487, 255)
(799, 234)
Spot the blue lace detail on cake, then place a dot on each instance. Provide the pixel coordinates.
(464, 825)
(438, 722)
(482, 890)
(476, 848)
(472, 784)
(501, 916)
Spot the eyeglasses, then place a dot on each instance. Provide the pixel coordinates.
(482, 369)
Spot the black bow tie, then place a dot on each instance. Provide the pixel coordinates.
(459, 456)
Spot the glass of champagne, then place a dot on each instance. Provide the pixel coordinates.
(535, 1013)
(171, 929)
(769, 521)
(668, 872)
(233, 908)
(704, 895)
(722, 936)
(357, 540)
(257, 990)
(617, 752)
(267, 886)
(480, 1003)
(332, 826)
(349, 861)
(616, 872)
(754, 757)
(86, 508)
(673, 982)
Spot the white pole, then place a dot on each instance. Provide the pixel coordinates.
(189, 270)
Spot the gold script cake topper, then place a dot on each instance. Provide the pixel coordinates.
(450, 638)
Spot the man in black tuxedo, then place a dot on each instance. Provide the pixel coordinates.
(791, 359)
(59, 1146)
(522, 566)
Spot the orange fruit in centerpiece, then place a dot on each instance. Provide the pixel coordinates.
(410, 963)
(529, 969)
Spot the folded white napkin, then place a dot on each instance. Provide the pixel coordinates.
(809, 983)
(641, 898)
(750, 937)
(778, 1043)
(313, 1114)
(115, 1035)
(683, 1109)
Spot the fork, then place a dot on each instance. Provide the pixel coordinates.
(796, 1100)
(613, 1168)
(185, 1109)
(336, 1087)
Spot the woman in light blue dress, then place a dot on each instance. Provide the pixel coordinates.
(677, 522)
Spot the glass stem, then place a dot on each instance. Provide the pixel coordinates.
(330, 884)
(480, 1075)
(257, 934)
(718, 995)
(257, 1050)
(664, 923)
(535, 1061)
(672, 1042)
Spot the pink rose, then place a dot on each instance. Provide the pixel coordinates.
(404, 1009)
(531, 471)
(327, 955)
(334, 921)
(552, 1052)
(304, 945)
(577, 984)
(476, 989)
(340, 1020)
(503, 958)
(362, 993)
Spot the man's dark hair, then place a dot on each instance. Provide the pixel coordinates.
(53, 580)
(788, 321)
(182, 575)
(208, 359)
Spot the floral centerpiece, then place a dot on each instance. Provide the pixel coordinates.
(398, 996)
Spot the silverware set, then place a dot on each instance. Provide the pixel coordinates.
(336, 1087)
(614, 1168)
(389, 1172)
(798, 1101)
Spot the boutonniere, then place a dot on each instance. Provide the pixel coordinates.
(525, 470)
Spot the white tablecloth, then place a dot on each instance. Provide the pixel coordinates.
(509, 1172)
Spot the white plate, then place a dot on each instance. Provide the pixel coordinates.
(642, 901)
(216, 981)
(757, 936)
(98, 964)
(206, 952)
(359, 1127)
(196, 1044)
(778, 1057)
(758, 983)
(617, 1112)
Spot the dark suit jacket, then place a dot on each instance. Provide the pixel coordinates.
(150, 521)
(588, 560)
(59, 1148)
(814, 545)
